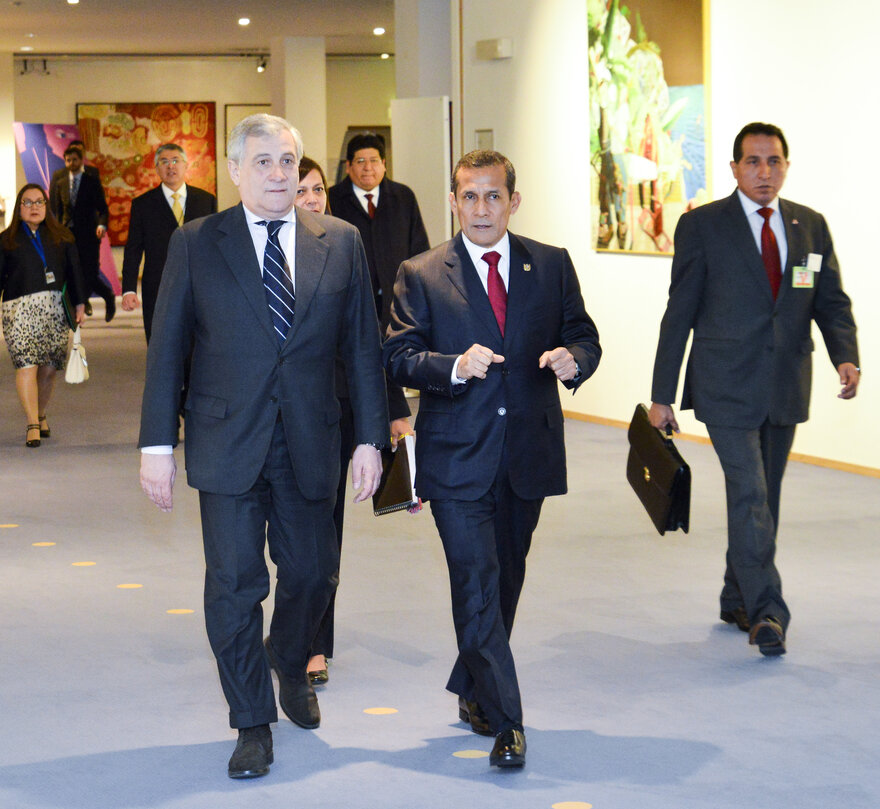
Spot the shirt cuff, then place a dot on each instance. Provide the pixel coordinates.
(160, 449)
(456, 379)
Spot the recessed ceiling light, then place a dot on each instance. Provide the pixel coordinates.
(379, 31)
(72, 2)
(30, 36)
(385, 56)
(244, 20)
(27, 47)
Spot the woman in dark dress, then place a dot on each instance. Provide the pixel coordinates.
(37, 257)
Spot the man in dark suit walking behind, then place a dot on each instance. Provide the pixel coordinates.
(484, 326)
(267, 296)
(750, 274)
(77, 200)
(155, 215)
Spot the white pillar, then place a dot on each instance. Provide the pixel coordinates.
(298, 84)
(8, 152)
(423, 48)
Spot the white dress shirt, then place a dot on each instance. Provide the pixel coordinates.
(756, 223)
(362, 196)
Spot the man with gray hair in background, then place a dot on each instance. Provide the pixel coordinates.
(155, 215)
(268, 296)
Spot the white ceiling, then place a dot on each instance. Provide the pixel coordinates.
(194, 27)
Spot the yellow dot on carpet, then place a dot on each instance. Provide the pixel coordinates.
(42, 544)
(83, 564)
(380, 711)
(179, 612)
(470, 754)
(571, 805)
(9, 525)
(129, 586)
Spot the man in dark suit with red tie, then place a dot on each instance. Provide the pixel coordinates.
(485, 326)
(155, 215)
(750, 274)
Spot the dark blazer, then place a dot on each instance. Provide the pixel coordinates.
(440, 310)
(751, 357)
(22, 271)
(393, 235)
(150, 227)
(212, 298)
(84, 217)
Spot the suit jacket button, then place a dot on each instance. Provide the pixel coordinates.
(502, 411)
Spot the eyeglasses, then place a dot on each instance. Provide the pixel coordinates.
(169, 161)
(33, 203)
(362, 161)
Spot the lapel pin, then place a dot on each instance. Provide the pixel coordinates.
(527, 267)
(794, 222)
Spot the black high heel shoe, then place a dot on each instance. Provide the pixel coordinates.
(47, 432)
(32, 442)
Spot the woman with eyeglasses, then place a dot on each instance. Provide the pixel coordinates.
(37, 257)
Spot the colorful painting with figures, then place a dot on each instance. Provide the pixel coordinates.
(647, 121)
(121, 140)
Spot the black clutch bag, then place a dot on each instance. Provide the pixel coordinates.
(69, 314)
(658, 474)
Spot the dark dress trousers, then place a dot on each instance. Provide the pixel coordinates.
(394, 234)
(749, 371)
(150, 227)
(83, 218)
(262, 429)
(488, 451)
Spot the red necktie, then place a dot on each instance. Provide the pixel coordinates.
(770, 252)
(495, 288)
(371, 209)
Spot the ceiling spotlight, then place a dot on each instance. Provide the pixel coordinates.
(379, 31)
(261, 68)
(385, 56)
(244, 20)
(72, 2)
(27, 47)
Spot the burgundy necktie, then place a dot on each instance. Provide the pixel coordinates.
(371, 209)
(770, 252)
(495, 288)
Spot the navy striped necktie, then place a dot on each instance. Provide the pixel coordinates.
(277, 282)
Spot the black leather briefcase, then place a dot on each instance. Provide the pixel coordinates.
(658, 474)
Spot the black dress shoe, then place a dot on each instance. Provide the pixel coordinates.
(737, 616)
(319, 677)
(509, 749)
(769, 636)
(296, 696)
(88, 309)
(111, 308)
(253, 753)
(472, 713)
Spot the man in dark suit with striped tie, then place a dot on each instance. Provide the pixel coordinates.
(268, 296)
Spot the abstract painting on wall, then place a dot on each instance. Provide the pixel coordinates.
(647, 121)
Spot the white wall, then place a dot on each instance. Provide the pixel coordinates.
(359, 93)
(806, 82)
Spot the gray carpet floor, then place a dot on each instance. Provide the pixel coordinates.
(635, 695)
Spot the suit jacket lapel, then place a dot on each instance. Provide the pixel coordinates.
(464, 278)
(237, 248)
(163, 209)
(311, 259)
(520, 286)
(740, 234)
(794, 236)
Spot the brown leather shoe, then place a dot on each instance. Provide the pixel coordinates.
(737, 616)
(509, 749)
(295, 695)
(472, 713)
(769, 636)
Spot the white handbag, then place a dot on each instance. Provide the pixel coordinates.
(77, 366)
